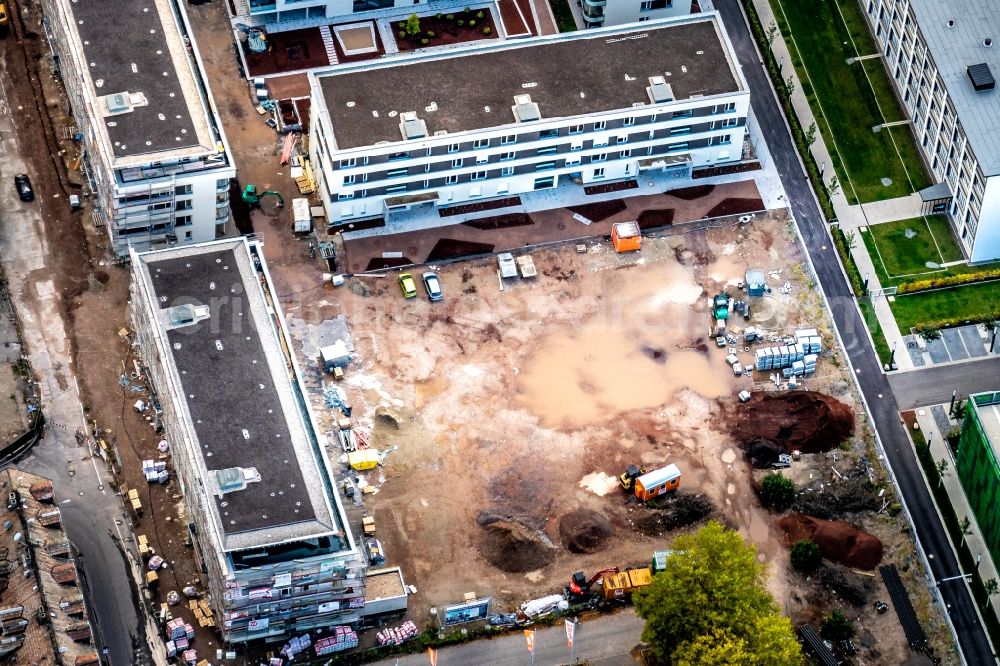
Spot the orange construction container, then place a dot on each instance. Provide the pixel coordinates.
(626, 237)
(658, 482)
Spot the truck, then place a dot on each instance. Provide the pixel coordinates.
(608, 585)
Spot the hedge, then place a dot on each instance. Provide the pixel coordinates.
(844, 250)
(938, 324)
(948, 281)
(786, 103)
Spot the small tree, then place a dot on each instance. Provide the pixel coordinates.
(412, 25)
(942, 470)
(833, 186)
(836, 627)
(929, 333)
(811, 134)
(771, 33)
(806, 556)
(965, 525)
(487, 30)
(777, 491)
(789, 86)
(992, 587)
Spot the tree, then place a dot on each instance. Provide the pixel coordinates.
(711, 600)
(836, 627)
(811, 134)
(777, 491)
(789, 86)
(942, 470)
(965, 525)
(412, 25)
(806, 555)
(992, 587)
(833, 186)
(771, 33)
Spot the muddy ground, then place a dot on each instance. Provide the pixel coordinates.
(517, 408)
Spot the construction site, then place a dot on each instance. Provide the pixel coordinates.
(509, 418)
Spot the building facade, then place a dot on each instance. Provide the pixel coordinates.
(267, 522)
(977, 463)
(600, 13)
(278, 15)
(486, 122)
(154, 152)
(941, 60)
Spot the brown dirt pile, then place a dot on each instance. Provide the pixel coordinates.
(584, 531)
(838, 541)
(806, 421)
(512, 546)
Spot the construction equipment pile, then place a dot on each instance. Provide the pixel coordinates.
(397, 635)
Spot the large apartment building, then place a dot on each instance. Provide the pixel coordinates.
(942, 60)
(598, 13)
(266, 519)
(278, 15)
(155, 154)
(484, 122)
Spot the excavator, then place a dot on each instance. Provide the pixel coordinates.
(252, 198)
(579, 586)
(628, 477)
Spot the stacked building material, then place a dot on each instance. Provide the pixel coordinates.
(397, 635)
(344, 638)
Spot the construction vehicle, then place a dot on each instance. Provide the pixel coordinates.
(611, 584)
(252, 198)
(720, 305)
(256, 37)
(628, 477)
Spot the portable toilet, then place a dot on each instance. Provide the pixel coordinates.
(626, 237)
(755, 284)
(658, 482)
(335, 356)
(659, 562)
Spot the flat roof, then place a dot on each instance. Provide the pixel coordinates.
(137, 47)
(571, 74)
(989, 417)
(238, 395)
(954, 49)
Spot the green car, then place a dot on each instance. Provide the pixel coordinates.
(407, 284)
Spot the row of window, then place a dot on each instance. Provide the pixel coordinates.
(552, 133)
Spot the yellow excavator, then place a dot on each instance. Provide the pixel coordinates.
(628, 477)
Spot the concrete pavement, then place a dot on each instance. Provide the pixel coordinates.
(896, 452)
(606, 641)
(933, 385)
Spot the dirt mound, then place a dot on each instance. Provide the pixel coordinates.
(680, 510)
(512, 546)
(838, 541)
(584, 531)
(806, 421)
(762, 453)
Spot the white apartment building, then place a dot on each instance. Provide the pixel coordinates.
(266, 520)
(155, 154)
(942, 60)
(278, 15)
(483, 122)
(598, 13)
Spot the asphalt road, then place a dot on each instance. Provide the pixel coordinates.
(875, 386)
(603, 642)
(89, 508)
(933, 385)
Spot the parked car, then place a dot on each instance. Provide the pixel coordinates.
(432, 284)
(407, 284)
(24, 189)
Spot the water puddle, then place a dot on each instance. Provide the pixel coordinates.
(583, 377)
(599, 483)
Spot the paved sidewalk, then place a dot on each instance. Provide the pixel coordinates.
(940, 450)
(850, 217)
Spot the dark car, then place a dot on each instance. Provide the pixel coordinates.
(24, 189)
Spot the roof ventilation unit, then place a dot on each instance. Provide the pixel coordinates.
(118, 103)
(951, 23)
(659, 90)
(232, 479)
(981, 77)
(524, 109)
(411, 126)
(186, 314)
(988, 42)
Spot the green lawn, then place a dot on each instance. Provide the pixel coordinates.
(848, 100)
(907, 258)
(563, 15)
(968, 301)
